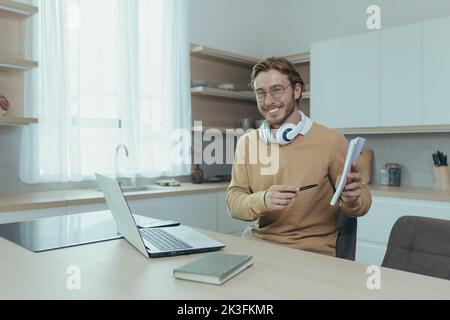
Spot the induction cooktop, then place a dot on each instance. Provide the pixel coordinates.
(62, 232)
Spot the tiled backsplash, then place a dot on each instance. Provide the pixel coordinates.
(412, 151)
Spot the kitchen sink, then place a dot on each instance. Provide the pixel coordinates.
(138, 188)
(129, 189)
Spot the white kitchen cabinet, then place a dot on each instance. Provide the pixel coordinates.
(198, 211)
(191, 210)
(436, 72)
(206, 211)
(327, 83)
(374, 229)
(345, 81)
(401, 76)
(361, 81)
(391, 78)
(225, 223)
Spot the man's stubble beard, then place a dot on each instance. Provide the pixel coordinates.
(289, 113)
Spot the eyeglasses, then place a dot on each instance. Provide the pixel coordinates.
(277, 92)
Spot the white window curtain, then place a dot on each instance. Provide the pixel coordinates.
(111, 72)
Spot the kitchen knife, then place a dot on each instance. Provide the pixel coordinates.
(435, 160)
(439, 158)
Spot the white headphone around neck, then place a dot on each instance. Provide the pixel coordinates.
(287, 132)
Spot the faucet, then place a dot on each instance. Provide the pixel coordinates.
(116, 159)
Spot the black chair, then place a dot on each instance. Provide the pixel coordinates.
(420, 245)
(346, 241)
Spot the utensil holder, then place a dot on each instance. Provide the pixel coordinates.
(441, 178)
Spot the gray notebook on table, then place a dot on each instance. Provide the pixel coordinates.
(215, 268)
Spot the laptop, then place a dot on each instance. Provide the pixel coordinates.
(153, 242)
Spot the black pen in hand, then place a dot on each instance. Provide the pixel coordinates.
(308, 187)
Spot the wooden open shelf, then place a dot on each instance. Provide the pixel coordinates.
(299, 58)
(223, 130)
(9, 64)
(213, 92)
(223, 55)
(16, 9)
(306, 95)
(12, 60)
(397, 130)
(220, 128)
(228, 56)
(16, 121)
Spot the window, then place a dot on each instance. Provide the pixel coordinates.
(105, 71)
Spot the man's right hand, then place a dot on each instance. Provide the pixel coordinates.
(280, 197)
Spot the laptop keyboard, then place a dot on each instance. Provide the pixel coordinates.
(163, 240)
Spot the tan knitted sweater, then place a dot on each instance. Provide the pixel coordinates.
(309, 223)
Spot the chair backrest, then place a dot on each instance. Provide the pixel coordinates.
(346, 241)
(420, 245)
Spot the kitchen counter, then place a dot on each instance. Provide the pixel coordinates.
(427, 194)
(56, 199)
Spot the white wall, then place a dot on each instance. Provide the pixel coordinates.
(295, 24)
(264, 28)
(231, 25)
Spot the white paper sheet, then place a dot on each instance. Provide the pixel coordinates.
(354, 150)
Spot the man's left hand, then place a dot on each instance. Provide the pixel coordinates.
(352, 190)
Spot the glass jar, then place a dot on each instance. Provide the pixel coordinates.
(395, 175)
(384, 176)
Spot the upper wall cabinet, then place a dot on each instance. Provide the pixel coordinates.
(361, 69)
(401, 76)
(395, 80)
(345, 81)
(436, 72)
(326, 81)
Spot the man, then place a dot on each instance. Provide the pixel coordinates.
(303, 220)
